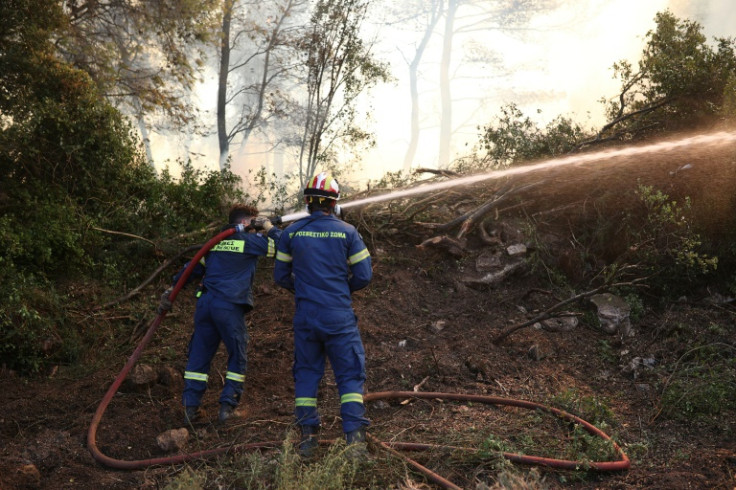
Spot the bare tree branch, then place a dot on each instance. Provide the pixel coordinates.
(122, 233)
(436, 171)
(148, 281)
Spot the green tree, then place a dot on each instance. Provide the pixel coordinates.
(144, 56)
(680, 82)
(61, 146)
(516, 138)
(340, 67)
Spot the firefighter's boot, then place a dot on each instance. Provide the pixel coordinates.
(191, 415)
(226, 411)
(357, 449)
(309, 441)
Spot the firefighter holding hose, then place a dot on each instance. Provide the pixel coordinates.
(323, 260)
(223, 299)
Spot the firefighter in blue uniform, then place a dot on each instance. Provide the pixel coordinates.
(224, 297)
(323, 260)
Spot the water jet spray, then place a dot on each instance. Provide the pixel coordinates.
(721, 137)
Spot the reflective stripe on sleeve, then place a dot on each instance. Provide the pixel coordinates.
(306, 402)
(235, 376)
(271, 248)
(283, 257)
(362, 255)
(195, 376)
(351, 397)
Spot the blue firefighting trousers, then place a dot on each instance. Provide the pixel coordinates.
(216, 320)
(334, 333)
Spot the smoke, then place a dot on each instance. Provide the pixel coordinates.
(561, 65)
(718, 17)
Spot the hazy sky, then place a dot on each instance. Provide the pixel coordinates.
(560, 66)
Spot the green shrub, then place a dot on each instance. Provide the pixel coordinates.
(588, 407)
(663, 243)
(703, 384)
(33, 329)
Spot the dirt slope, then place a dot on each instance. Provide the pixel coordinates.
(422, 327)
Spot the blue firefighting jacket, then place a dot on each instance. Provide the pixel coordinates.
(322, 259)
(228, 268)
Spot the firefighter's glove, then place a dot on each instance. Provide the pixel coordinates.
(165, 304)
(263, 223)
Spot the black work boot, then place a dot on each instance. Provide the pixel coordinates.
(309, 441)
(357, 449)
(191, 414)
(226, 411)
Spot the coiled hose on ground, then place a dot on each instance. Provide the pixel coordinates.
(622, 464)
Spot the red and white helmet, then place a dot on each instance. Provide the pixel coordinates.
(322, 186)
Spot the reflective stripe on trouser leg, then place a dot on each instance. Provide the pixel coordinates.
(305, 409)
(240, 378)
(195, 384)
(351, 397)
(352, 411)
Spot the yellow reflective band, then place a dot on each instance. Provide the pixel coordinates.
(230, 246)
(306, 402)
(351, 397)
(362, 255)
(283, 257)
(271, 248)
(201, 261)
(235, 376)
(195, 376)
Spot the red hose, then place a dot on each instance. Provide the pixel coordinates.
(621, 464)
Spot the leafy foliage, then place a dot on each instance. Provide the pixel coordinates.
(702, 384)
(143, 55)
(340, 66)
(681, 81)
(72, 171)
(515, 138)
(663, 242)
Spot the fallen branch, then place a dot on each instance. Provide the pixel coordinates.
(487, 238)
(145, 283)
(547, 314)
(207, 229)
(493, 278)
(122, 233)
(482, 209)
(469, 219)
(444, 242)
(416, 390)
(435, 171)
